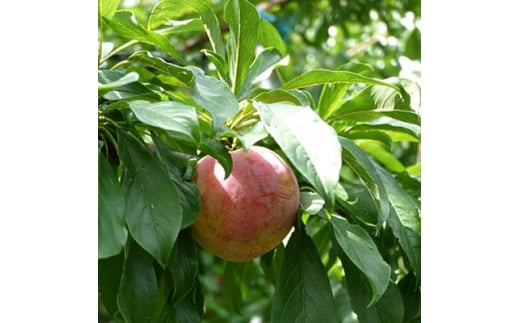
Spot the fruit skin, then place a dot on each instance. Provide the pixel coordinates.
(250, 212)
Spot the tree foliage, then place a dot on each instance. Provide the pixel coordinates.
(323, 83)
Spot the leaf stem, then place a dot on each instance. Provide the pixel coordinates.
(113, 141)
(117, 50)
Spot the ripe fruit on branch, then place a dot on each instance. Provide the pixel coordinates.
(250, 212)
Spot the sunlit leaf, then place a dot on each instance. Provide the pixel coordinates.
(166, 10)
(110, 80)
(178, 118)
(321, 76)
(125, 25)
(382, 155)
(107, 8)
(269, 36)
(413, 45)
(243, 21)
(311, 202)
(310, 144)
(260, 69)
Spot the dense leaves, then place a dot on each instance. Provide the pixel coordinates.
(183, 79)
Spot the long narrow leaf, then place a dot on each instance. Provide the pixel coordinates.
(404, 219)
(146, 58)
(356, 159)
(243, 21)
(125, 25)
(269, 36)
(261, 69)
(321, 76)
(171, 9)
(107, 8)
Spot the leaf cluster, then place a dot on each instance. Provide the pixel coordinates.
(351, 137)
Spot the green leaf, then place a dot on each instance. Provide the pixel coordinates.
(219, 152)
(184, 265)
(190, 308)
(268, 36)
(359, 162)
(404, 219)
(163, 298)
(188, 192)
(107, 8)
(220, 63)
(395, 130)
(243, 21)
(116, 85)
(361, 204)
(235, 280)
(413, 45)
(178, 118)
(377, 137)
(321, 76)
(250, 135)
(109, 277)
(112, 232)
(111, 80)
(274, 96)
(166, 10)
(311, 202)
(146, 58)
(381, 154)
(411, 298)
(181, 26)
(389, 308)
(125, 25)
(138, 289)
(357, 245)
(353, 117)
(310, 144)
(153, 211)
(303, 292)
(378, 97)
(261, 69)
(215, 97)
(331, 98)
